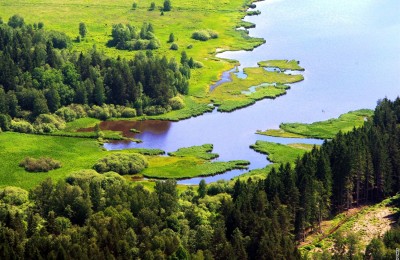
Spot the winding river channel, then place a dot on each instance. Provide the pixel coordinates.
(351, 54)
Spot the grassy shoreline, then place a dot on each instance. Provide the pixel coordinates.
(323, 129)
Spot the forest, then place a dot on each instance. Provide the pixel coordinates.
(40, 75)
(91, 215)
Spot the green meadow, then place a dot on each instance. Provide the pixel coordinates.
(322, 129)
(73, 153)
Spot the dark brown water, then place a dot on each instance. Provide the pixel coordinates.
(149, 126)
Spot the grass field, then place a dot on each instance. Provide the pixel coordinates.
(322, 129)
(73, 153)
(185, 17)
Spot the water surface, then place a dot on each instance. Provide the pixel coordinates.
(351, 54)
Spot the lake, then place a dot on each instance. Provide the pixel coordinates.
(351, 54)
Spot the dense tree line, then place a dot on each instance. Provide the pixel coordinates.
(39, 74)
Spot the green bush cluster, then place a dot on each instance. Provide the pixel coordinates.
(122, 163)
(13, 195)
(46, 123)
(21, 126)
(72, 112)
(204, 35)
(107, 111)
(43, 164)
(176, 103)
(156, 110)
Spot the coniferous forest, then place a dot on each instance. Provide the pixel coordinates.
(39, 75)
(91, 215)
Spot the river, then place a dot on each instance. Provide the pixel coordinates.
(351, 54)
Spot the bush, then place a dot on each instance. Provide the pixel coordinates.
(197, 64)
(13, 195)
(46, 123)
(128, 112)
(21, 126)
(43, 164)
(155, 110)
(204, 35)
(122, 163)
(176, 103)
(67, 113)
(174, 47)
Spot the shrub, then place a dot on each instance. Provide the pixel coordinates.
(21, 126)
(189, 46)
(43, 164)
(67, 113)
(197, 64)
(128, 112)
(152, 6)
(174, 47)
(122, 163)
(176, 103)
(204, 35)
(155, 110)
(13, 195)
(46, 123)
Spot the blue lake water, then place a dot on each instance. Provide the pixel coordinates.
(351, 54)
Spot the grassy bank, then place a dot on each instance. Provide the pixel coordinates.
(322, 129)
(201, 152)
(258, 84)
(279, 153)
(281, 64)
(188, 167)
